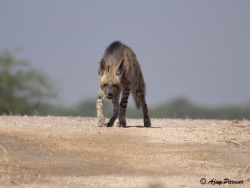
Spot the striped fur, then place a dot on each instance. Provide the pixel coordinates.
(120, 72)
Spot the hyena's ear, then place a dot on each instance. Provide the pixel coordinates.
(102, 67)
(119, 70)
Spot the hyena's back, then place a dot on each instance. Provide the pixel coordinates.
(132, 71)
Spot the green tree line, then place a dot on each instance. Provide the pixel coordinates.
(27, 91)
(177, 108)
(23, 89)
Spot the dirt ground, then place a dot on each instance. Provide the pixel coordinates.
(74, 152)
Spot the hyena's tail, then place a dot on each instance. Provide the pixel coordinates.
(139, 91)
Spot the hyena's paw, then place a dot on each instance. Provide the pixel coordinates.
(119, 124)
(101, 122)
(109, 124)
(147, 123)
(122, 122)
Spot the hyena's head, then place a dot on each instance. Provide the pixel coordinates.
(110, 78)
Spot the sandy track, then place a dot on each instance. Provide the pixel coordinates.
(74, 152)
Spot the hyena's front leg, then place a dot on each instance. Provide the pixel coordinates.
(99, 104)
(123, 106)
(115, 102)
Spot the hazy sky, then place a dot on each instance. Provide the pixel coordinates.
(197, 49)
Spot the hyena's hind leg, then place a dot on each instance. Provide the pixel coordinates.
(147, 122)
(140, 101)
(115, 102)
(99, 104)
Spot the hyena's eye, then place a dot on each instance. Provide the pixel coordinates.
(105, 85)
(115, 85)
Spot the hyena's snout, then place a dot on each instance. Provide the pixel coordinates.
(109, 95)
(111, 90)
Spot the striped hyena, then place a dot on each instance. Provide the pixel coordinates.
(120, 71)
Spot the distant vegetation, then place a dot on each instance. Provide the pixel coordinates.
(24, 90)
(178, 108)
(183, 108)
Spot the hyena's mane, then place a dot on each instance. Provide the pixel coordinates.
(114, 54)
(113, 48)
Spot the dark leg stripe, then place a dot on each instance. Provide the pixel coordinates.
(126, 95)
(122, 110)
(124, 106)
(124, 100)
(127, 90)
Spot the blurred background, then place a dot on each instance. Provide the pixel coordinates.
(195, 55)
